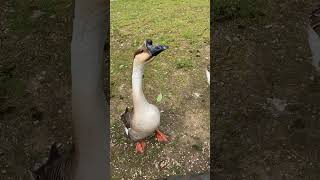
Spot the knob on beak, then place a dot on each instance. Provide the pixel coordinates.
(154, 50)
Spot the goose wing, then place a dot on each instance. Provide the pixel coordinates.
(315, 20)
(126, 117)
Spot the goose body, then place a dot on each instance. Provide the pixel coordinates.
(143, 119)
(141, 123)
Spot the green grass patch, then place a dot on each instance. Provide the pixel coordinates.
(182, 25)
(184, 63)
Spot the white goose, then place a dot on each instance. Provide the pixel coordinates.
(144, 119)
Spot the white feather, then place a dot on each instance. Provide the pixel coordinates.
(127, 131)
(208, 76)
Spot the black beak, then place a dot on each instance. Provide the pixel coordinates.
(154, 50)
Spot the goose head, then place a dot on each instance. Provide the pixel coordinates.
(148, 52)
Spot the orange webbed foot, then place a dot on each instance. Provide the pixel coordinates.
(140, 146)
(161, 137)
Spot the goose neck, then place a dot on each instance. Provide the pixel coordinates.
(137, 83)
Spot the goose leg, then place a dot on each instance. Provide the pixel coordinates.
(160, 136)
(140, 145)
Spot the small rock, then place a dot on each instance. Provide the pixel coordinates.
(312, 78)
(35, 122)
(228, 38)
(280, 105)
(40, 78)
(59, 111)
(197, 95)
(236, 39)
(36, 14)
(268, 169)
(43, 72)
(163, 164)
(3, 171)
(268, 26)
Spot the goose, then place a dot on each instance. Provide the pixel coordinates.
(208, 73)
(57, 167)
(143, 119)
(87, 159)
(314, 37)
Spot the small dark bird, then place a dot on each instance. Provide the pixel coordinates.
(57, 167)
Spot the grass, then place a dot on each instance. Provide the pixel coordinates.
(179, 24)
(184, 63)
(185, 27)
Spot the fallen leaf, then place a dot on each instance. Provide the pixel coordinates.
(159, 97)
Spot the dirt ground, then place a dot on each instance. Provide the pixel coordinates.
(35, 83)
(266, 96)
